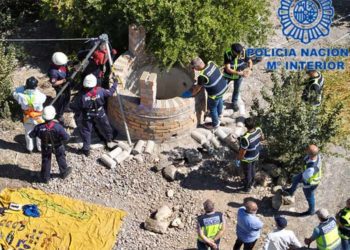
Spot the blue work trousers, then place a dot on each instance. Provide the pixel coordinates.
(309, 191)
(236, 86)
(215, 107)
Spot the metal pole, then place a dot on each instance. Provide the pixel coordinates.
(118, 96)
(82, 66)
(42, 39)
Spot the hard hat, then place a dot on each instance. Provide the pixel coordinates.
(49, 113)
(59, 58)
(31, 83)
(90, 81)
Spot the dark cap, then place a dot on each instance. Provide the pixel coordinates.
(281, 222)
(31, 83)
(237, 47)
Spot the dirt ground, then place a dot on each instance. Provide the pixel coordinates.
(135, 187)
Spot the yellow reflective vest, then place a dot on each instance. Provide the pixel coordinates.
(329, 236)
(315, 179)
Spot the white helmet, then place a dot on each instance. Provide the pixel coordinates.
(59, 58)
(49, 113)
(90, 81)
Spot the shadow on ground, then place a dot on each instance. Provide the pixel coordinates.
(264, 205)
(214, 171)
(12, 171)
(17, 146)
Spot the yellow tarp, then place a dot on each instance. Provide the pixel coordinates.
(64, 223)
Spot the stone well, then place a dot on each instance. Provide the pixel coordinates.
(150, 96)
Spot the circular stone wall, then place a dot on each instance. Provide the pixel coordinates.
(169, 84)
(151, 102)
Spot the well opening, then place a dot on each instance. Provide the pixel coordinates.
(150, 96)
(170, 83)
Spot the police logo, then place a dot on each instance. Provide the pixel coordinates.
(306, 20)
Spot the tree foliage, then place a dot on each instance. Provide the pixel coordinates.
(290, 124)
(8, 63)
(176, 29)
(12, 12)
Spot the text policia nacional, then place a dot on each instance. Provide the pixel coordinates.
(304, 58)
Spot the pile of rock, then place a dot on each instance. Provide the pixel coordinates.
(161, 220)
(123, 151)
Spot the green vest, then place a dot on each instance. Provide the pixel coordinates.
(234, 66)
(345, 215)
(253, 150)
(30, 97)
(211, 224)
(216, 85)
(329, 237)
(316, 178)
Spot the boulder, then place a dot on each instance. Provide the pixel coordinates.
(276, 172)
(193, 156)
(156, 226)
(163, 213)
(277, 201)
(282, 181)
(276, 189)
(170, 193)
(182, 172)
(161, 165)
(177, 223)
(232, 142)
(288, 200)
(169, 172)
(262, 179)
(268, 167)
(139, 158)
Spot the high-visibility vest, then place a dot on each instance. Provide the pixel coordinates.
(216, 85)
(344, 231)
(329, 237)
(211, 224)
(234, 65)
(315, 179)
(253, 150)
(30, 113)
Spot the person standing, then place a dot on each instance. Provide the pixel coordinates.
(212, 80)
(281, 238)
(311, 178)
(249, 152)
(248, 226)
(98, 62)
(343, 221)
(313, 88)
(31, 101)
(326, 233)
(90, 103)
(237, 66)
(210, 227)
(53, 137)
(58, 75)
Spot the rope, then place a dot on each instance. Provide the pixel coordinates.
(57, 208)
(43, 39)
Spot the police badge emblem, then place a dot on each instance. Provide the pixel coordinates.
(306, 20)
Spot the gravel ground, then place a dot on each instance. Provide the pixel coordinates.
(136, 188)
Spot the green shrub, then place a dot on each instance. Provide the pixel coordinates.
(176, 29)
(290, 124)
(12, 12)
(8, 63)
